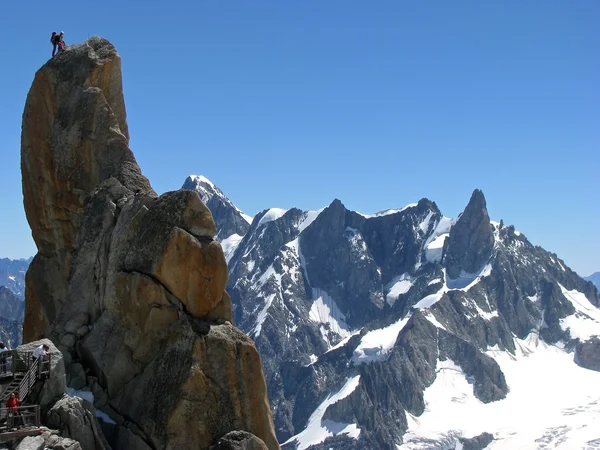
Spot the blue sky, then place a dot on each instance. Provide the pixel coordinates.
(295, 103)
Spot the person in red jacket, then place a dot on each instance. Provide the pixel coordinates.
(12, 404)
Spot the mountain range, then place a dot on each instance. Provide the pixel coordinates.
(407, 329)
(594, 278)
(12, 275)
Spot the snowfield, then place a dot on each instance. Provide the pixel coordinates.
(317, 429)
(552, 404)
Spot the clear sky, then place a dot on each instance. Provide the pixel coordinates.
(297, 102)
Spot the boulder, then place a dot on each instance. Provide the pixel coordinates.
(32, 443)
(587, 353)
(477, 442)
(239, 440)
(48, 440)
(75, 418)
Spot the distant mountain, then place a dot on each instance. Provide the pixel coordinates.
(408, 329)
(594, 278)
(12, 311)
(231, 223)
(12, 275)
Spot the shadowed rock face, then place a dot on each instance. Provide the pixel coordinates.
(471, 239)
(129, 285)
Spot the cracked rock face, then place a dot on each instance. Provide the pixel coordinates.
(128, 284)
(471, 239)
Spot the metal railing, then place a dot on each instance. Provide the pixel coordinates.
(29, 380)
(25, 371)
(13, 362)
(20, 416)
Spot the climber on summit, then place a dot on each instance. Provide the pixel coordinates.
(57, 41)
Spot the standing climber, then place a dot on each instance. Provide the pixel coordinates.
(13, 405)
(3, 357)
(57, 41)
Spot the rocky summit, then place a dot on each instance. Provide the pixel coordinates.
(130, 286)
(410, 330)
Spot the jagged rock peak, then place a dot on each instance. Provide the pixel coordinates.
(229, 219)
(471, 239)
(129, 286)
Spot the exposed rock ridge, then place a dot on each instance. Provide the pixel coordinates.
(471, 239)
(129, 285)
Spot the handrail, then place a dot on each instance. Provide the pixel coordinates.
(29, 379)
(22, 412)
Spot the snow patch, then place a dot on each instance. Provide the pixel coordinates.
(399, 285)
(271, 215)
(463, 283)
(585, 322)
(105, 417)
(376, 344)
(434, 281)
(262, 315)
(434, 244)
(324, 310)
(317, 429)
(387, 212)
(430, 300)
(308, 218)
(424, 225)
(11, 277)
(466, 281)
(229, 246)
(85, 395)
(343, 341)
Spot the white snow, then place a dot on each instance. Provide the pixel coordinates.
(466, 281)
(206, 195)
(250, 265)
(313, 359)
(202, 179)
(433, 250)
(431, 318)
(585, 322)
(324, 310)
(105, 417)
(85, 395)
(463, 283)
(343, 341)
(357, 242)
(317, 429)
(387, 212)
(376, 344)
(271, 215)
(430, 300)
(11, 277)
(434, 281)
(424, 225)
(435, 242)
(398, 286)
(262, 315)
(308, 218)
(229, 245)
(552, 403)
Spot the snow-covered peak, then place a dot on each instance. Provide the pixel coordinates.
(202, 179)
(387, 212)
(271, 215)
(228, 218)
